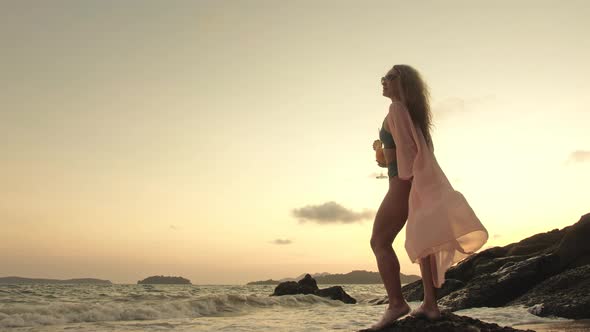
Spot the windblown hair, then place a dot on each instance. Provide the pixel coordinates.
(417, 99)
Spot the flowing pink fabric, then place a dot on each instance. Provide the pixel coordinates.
(440, 221)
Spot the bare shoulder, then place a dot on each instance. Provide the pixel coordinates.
(396, 105)
(398, 109)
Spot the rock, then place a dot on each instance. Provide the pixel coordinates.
(509, 281)
(499, 276)
(564, 295)
(308, 285)
(287, 288)
(448, 322)
(336, 293)
(574, 248)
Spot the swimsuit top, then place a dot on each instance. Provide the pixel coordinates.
(386, 138)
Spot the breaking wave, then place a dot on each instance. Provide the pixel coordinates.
(24, 315)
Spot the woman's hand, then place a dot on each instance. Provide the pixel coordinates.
(382, 154)
(376, 144)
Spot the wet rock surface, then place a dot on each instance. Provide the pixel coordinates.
(448, 322)
(564, 295)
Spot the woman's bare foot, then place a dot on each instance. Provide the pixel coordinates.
(392, 313)
(428, 312)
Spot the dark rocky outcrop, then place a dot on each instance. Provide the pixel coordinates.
(496, 289)
(521, 273)
(287, 288)
(308, 285)
(336, 293)
(448, 322)
(565, 295)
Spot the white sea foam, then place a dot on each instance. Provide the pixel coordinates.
(20, 315)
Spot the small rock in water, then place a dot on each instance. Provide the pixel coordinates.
(308, 285)
(336, 293)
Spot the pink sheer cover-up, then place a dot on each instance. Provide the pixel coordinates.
(440, 221)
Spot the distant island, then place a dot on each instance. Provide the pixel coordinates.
(165, 280)
(82, 281)
(354, 277)
(264, 282)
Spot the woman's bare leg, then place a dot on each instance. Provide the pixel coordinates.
(429, 306)
(389, 220)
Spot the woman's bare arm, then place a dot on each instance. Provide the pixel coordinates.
(389, 155)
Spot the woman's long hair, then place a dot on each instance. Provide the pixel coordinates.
(416, 96)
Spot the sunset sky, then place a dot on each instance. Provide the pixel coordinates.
(202, 138)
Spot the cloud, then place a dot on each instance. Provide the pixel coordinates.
(448, 107)
(282, 242)
(330, 213)
(579, 156)
(173, 227)
(481, 99)
(496, 236)
(456, 105)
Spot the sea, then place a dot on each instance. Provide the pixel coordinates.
(120, 307)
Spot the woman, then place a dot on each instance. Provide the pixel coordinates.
(442, 228)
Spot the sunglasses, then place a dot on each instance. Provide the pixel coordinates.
(388, 77)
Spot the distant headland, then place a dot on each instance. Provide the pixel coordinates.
(165, 280)
(354, 277)
(81, 281)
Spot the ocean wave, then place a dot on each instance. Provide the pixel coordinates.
(54, 313)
